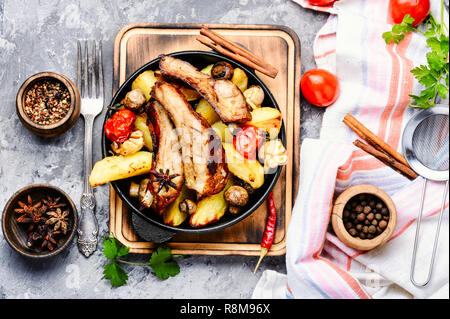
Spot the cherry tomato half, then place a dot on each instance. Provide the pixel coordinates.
(320, 87)
(418, 9)
(247, 140)
(320, 2)
(119, 127)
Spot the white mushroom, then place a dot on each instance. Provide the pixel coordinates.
(254, 96)
(134, 99)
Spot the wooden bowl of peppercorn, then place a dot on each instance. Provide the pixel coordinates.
(364, 217)
(48, 104)
(39, 221)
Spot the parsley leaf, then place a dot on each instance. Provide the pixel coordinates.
(399, 30)
(434, 77)
(162, 264)
(116, 274)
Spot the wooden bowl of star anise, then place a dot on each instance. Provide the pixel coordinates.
(39, 221)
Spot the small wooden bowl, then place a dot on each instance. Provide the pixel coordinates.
(61, 126)
(338, 224)
(16, 233)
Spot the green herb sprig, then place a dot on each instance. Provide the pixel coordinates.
(435, 75)
(161, 261)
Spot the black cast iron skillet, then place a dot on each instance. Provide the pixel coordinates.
(199, 59)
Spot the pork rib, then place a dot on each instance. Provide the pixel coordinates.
(203, 156)
(168, 158)
(223, 95)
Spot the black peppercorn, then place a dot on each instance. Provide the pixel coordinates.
(352, 232)
(361, 217)
(383, 224)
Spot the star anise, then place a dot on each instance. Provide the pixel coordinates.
(58, 219)
(164, 179)
(31, 213)
(36, 235)
(53, 203)
(48, 240)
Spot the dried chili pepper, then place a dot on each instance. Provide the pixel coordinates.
(269, 232)
(119, 127)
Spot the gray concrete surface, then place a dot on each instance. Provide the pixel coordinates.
(40, 36)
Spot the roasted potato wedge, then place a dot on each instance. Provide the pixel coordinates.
(268, 119)
(113, 168)
(250, 171)
(207, 111)
(173, 216)
(210, 209)
(207, 70)
(240, 79)
(145, 82)
(223, 131)
(141, 125)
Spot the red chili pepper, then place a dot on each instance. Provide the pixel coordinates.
(269, 232)
(119, 127)
(247, 140)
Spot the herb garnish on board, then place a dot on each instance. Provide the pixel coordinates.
(435, 75)
(161, 262)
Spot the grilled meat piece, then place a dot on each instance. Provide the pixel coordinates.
(226, 98)
(167, 177)
(203, 156)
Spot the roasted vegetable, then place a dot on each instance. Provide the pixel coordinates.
(236, 196)
(173, 216)
(207, 112)
(251, 171)
(223, 131)
(113, 168)
(132, 145)
(141, 125)
(134, 99)
(210, 209)
(254, 96)
(207, 69)
(134, 189)
(240, 79)
(188, 207)
(145, 196)
(222, 70)
(268, 119)
(273, 154)
(145, 82)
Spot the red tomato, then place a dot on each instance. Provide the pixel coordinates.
(320, 2)
(247, 140)
(119, 127)
(320, 87)
(418, 9)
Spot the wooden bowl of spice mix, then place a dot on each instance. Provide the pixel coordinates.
(364, 217)
(39, 221)
(48, 104)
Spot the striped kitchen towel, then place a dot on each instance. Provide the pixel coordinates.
(375, 81)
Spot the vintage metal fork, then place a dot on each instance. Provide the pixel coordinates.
(90, 83)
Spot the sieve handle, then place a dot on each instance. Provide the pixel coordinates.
(436, 239)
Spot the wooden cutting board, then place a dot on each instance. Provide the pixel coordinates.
(137, 44)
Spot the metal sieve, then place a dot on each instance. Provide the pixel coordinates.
(426, 148)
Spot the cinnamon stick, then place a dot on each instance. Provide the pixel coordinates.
(386, 159)
(245, 55)
(373, 139)
(232, 55)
